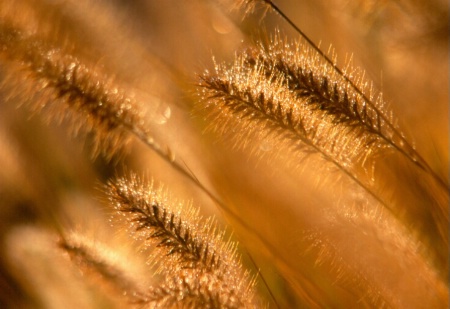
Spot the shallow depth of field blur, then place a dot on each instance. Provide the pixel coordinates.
(156, 50)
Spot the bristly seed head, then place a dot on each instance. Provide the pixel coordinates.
(184, 244)
(69, 89)
(290, 92)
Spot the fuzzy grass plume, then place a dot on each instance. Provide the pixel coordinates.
(65, 87)
(202, 269)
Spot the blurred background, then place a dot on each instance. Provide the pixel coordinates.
(306, 227)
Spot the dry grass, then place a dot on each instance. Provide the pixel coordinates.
(337, 193)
